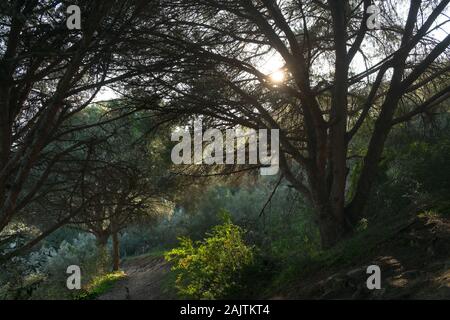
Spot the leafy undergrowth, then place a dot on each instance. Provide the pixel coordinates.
(100, 285)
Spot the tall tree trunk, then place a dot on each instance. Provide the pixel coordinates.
(5, 143)
(115, 251)
(331, 200)
(6, 85)
(375, 149)
(333, 225)
(102, 262)
(383, 124)
(330, 216)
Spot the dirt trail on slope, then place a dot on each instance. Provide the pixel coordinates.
(145, 276)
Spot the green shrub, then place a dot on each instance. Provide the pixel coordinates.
(212, 268)
(82, 252)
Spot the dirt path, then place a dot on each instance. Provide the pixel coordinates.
(144, 281)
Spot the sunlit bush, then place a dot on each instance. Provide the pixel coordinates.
(211, 269)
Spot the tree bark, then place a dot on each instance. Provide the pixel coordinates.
(337, 161)
(333, 226)
(102, 241)
(115, 251)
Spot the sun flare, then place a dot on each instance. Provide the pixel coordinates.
(273, 67)
(277, 76)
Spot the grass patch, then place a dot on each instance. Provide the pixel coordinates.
(100, 285)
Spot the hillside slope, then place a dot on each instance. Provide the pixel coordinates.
(414, 259)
